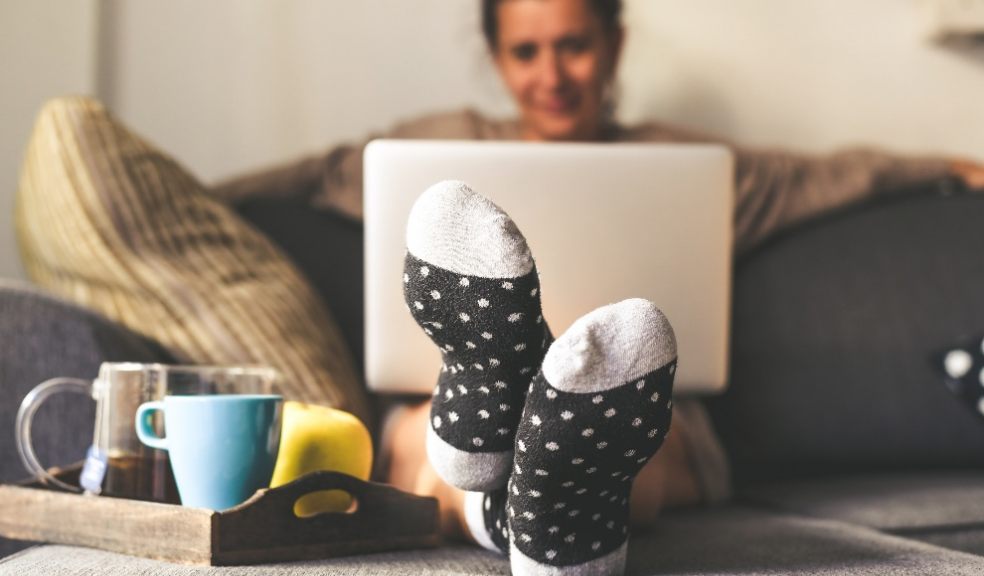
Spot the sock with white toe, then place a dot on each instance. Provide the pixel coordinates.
(485, 519)
(471, 284)
(596, 412)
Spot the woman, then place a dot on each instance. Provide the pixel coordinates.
(558, 59)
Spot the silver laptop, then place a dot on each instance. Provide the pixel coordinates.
(605, 222)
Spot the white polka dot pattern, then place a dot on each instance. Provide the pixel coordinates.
(589, 447)
(483, 330)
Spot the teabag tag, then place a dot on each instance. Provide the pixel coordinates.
(93, 471)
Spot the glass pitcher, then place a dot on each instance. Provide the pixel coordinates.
(117, 463)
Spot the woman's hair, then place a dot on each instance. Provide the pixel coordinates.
(609, 11)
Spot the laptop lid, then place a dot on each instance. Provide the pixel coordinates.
(605, 222)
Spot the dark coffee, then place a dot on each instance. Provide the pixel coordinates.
(143, 477)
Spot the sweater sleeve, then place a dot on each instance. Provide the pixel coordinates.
(332, 180)
(776, 189)
(304, 180)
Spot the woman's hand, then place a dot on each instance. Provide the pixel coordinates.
(970, 172)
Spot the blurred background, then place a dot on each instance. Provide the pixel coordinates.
(230, 86)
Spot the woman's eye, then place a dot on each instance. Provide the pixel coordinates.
(576, 45)
(524, 52)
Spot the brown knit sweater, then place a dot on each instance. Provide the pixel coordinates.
(774, 189)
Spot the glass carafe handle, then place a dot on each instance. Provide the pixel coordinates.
(25, 415)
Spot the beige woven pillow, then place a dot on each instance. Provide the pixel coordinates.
(108, 221)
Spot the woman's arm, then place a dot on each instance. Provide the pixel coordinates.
(775, 190)
(333, 180)
(970, 172)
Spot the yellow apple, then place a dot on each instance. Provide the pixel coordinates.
(317, 437)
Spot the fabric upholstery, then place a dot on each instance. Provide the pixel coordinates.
(965, 539)
(111, 223)
(941, 508)
(726, 540)
(42, 337)
(743, 540)
(834, 328)
(903, 503)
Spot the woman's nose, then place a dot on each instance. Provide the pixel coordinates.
(552, 72)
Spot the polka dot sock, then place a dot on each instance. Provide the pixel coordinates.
(471, 284)
(485, 517)
(595, 414)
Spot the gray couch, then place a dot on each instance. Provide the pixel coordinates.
(849, 454)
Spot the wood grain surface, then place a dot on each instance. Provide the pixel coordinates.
(263, 529)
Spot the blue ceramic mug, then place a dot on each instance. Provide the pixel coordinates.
(222, 447)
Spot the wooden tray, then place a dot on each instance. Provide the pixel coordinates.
(262, 529)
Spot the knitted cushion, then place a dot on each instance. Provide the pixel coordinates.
(109, 222)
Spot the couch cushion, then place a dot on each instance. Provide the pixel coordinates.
(744, 540)
(835, 325)
(945, 508)
(456, 560)
(727, 540)
(900, 502)
(110, 222)
(42, 337)
(965, 539)
(327, 248)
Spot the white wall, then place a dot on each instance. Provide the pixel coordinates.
(232, 85)
(47, 47)
(811, 73)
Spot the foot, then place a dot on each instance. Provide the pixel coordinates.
(471, 284)
(486, 521)
(596, 413)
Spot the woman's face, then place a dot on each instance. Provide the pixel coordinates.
(556, 59)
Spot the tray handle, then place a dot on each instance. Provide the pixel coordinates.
(265, 527)
(369, 496)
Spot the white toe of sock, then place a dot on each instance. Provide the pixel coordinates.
(475, 521)
(612, 564)
(610, 346)
(453, 227)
